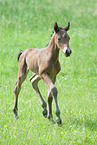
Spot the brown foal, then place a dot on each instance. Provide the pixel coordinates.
(45, 65)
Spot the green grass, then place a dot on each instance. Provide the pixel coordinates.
(28, 24)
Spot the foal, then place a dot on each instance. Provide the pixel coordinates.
(45, 65)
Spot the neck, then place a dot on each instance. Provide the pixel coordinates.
(52, 47)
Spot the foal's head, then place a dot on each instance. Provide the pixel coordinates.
(62, 38)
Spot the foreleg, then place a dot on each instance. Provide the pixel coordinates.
(54, 92)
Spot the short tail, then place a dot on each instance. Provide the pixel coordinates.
(19, 54)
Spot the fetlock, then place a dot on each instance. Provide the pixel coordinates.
(44, 112)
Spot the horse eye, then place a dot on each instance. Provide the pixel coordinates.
(59, 39)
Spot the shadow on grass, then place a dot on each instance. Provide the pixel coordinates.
(91, 124)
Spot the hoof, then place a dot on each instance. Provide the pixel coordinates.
(15, 114)
(59, 122)
(52, 121)
(44, 113)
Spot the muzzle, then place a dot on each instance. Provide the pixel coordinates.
(67, 52)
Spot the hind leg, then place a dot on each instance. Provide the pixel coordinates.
(21, 77)
(34, 81)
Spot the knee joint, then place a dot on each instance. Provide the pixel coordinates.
(54, 91)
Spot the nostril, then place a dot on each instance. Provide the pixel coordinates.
(66, 51)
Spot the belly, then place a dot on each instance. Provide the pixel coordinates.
(32, 60)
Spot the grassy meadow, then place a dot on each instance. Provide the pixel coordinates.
(28, 24)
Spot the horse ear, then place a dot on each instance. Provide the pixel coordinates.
(67, 27)
(56, 28)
